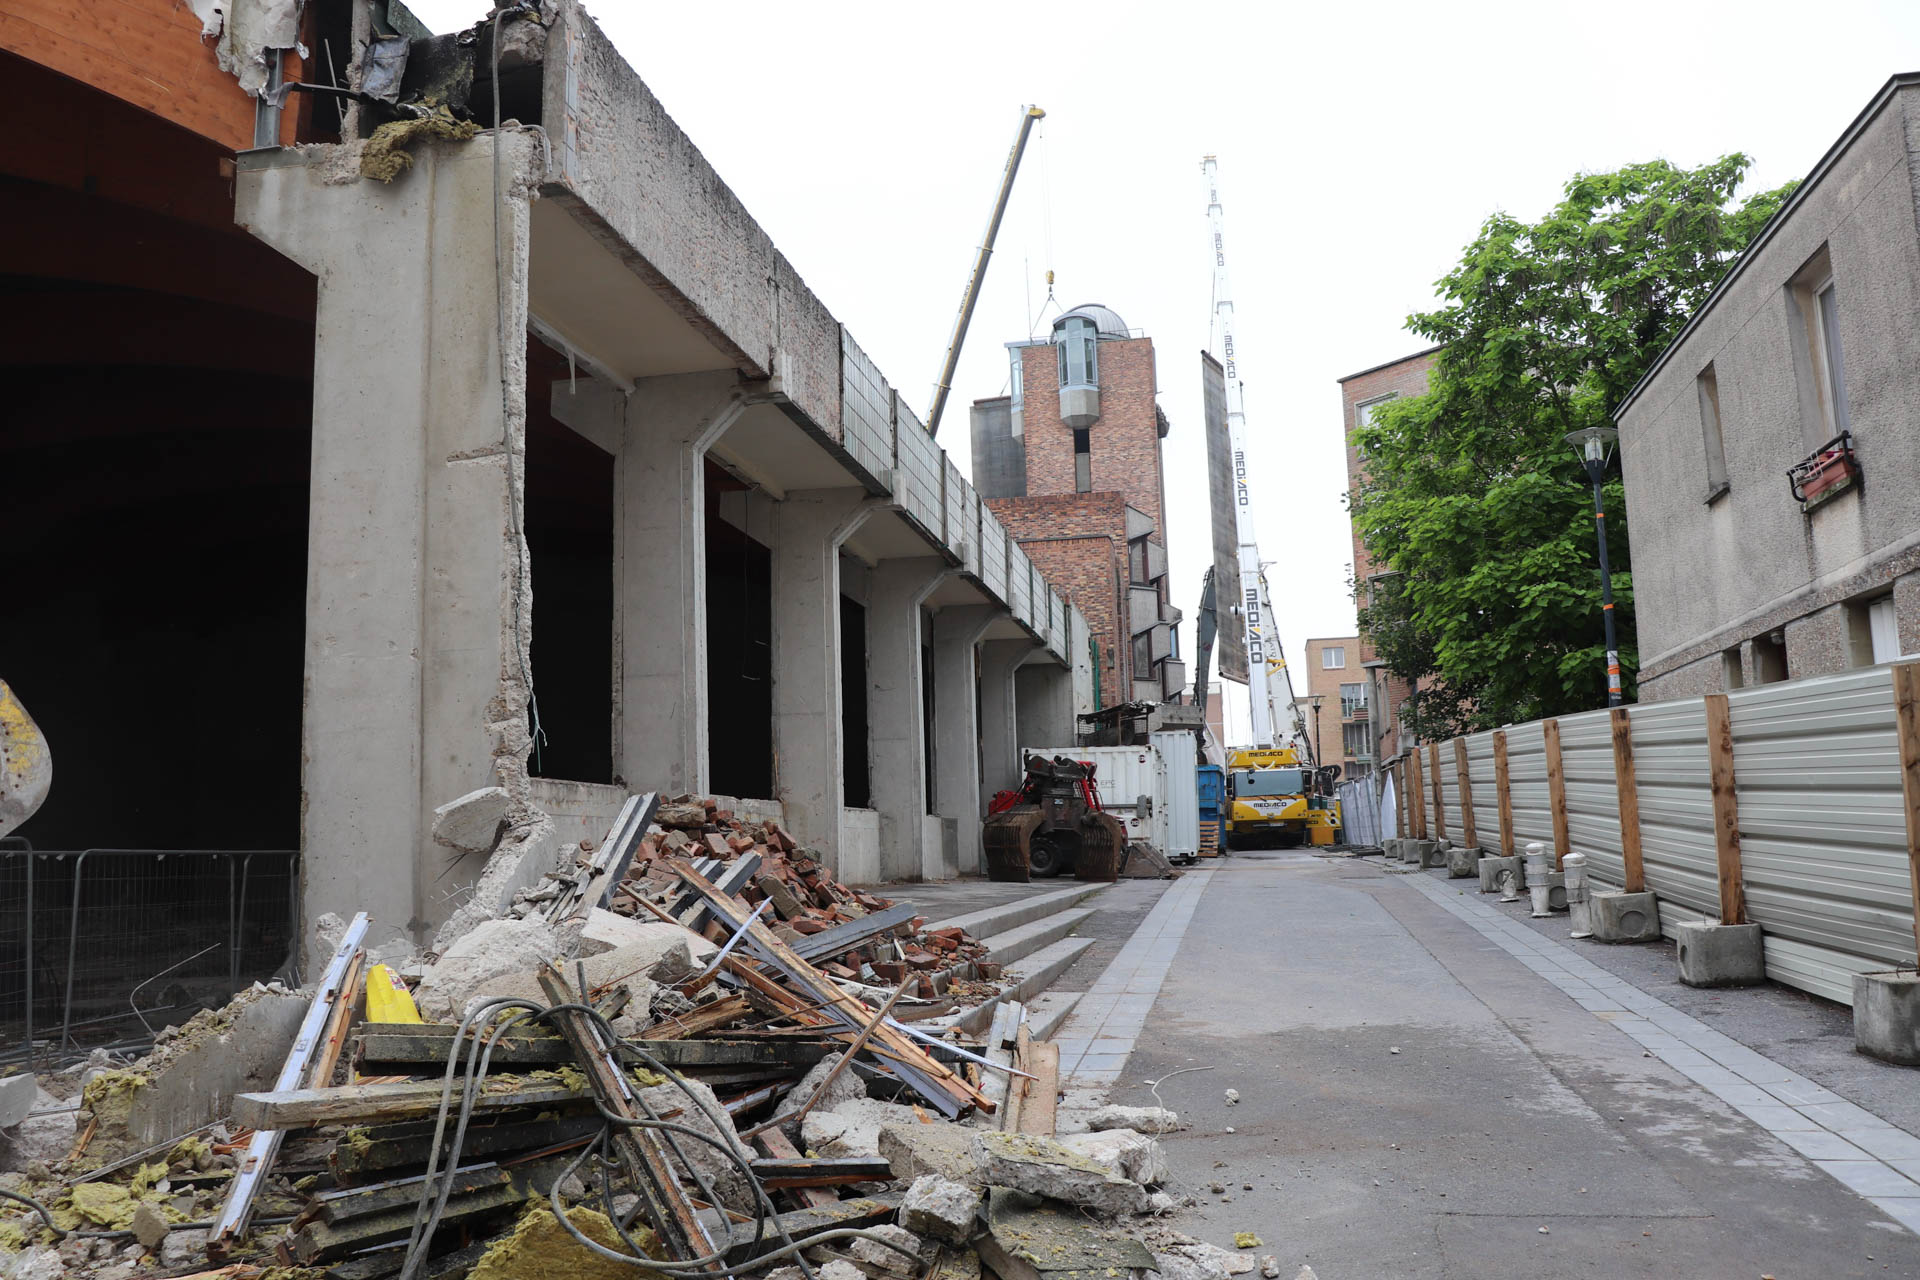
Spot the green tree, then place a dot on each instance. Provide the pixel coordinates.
(1471, 494)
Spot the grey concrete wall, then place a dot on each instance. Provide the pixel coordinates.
(956, 734)
(418, 623)
(895, 715)
(1709, 574)
(999, 458)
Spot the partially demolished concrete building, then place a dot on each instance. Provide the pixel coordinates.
(369, 458)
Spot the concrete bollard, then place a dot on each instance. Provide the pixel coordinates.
(1537, 876)
(1462, 862)
(1491, 870)
(1720, 955)
(1509, 886)
(1575, 874)
(1625, 917)
(1557, 890)
(1886, 1016)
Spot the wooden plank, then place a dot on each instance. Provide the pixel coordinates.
(1416, 796)
(430, 1048)
(1039, 1108)
(1556, 792)
(708, 1017)
(853, 1013)
(1906, 709)
(1439, 793)
(1503, 792)
(798, 1171)
(777, 1145)
(1627, 791)
(292, 1108)
(374, 1148)
(1471, 833)
(1726, 811)
(746, 1241)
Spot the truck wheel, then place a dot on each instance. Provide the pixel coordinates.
(1044, 858)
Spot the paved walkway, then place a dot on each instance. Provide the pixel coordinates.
(1429, 1088)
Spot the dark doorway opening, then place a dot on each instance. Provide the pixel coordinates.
(855, 745)
(739, 654)
(569, 527)
(927, 707)
(156, 450)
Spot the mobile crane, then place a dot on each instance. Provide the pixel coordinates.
(1272, 792)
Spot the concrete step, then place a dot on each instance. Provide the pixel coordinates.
(1030, 977)
(1017, 944)
(1011, 915)
(1048, 1012)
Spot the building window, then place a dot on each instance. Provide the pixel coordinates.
(1709, 387)
(1082, 461)
(1353, 701)
(1142, 655)
(1353, 740)
(1872, 631)
(1078, 343)
(1333, 657)
(1824, 400)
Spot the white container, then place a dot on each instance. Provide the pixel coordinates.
(1154, 790)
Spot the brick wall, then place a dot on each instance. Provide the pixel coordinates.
(1325, 683)
(1406, 377)
(1124, 443)
(1079, 542)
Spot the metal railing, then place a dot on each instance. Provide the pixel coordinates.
(109, 945)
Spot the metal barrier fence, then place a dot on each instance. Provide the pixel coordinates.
(103, 947)
(1360, 811)
(1779, 805)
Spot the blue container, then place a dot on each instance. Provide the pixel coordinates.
(1213, 792)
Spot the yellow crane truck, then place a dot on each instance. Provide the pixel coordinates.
(1275, 799)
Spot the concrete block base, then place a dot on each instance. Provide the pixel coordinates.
(1556, 891)
(1720, 955)
(1435, 855)
(1625, 917)
(1390, 848)
(1886, 1016)
(1415, 852)
(1490, 869)
(1462, 861)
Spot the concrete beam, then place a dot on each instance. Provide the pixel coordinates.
(809, 774)
(418, 616)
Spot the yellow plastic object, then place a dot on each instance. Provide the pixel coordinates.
(388, 999)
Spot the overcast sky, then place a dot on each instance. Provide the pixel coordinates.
(1360, 148)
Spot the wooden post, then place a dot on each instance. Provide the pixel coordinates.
(1466, 793)
(1556, 791)
(1416, 797)
(1400, 798)
(1906, 706)
(1439, 793)
(1502, 792)
(1634, 879)
(1726, 811)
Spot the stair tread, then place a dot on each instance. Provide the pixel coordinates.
(1023, 909)
(1062, 920)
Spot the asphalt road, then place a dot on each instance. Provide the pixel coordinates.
(1413, 1102)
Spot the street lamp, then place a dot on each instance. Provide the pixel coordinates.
(1314, 701)
(1594, 447)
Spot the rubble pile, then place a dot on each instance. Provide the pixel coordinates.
(692, 1052)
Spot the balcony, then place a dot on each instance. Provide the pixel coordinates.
(1826, 473)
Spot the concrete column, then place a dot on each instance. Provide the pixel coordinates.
(660, 569)
(999, 724)
(956, 735)
(896, 590)
(808, 768)
(1044, 703)
(418, 604)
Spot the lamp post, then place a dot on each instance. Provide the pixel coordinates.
(1314, 701)
(1594, 447)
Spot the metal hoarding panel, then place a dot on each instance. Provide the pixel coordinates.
(1676, 809)
(993, 552)
(1823, 837)
(1180, 753)
(1527, 781)
(1449, 780)
(866, 409)
(916, 482)
(1359, 811)
(1593, 802)
(1230, 647)
(1486, 796)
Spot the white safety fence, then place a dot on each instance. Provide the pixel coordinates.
(1820, 848)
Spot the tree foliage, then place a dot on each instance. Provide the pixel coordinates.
(1471, 493)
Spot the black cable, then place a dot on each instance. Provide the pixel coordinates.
(38, 1208)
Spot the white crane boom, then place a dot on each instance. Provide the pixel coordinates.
(1264, 657)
